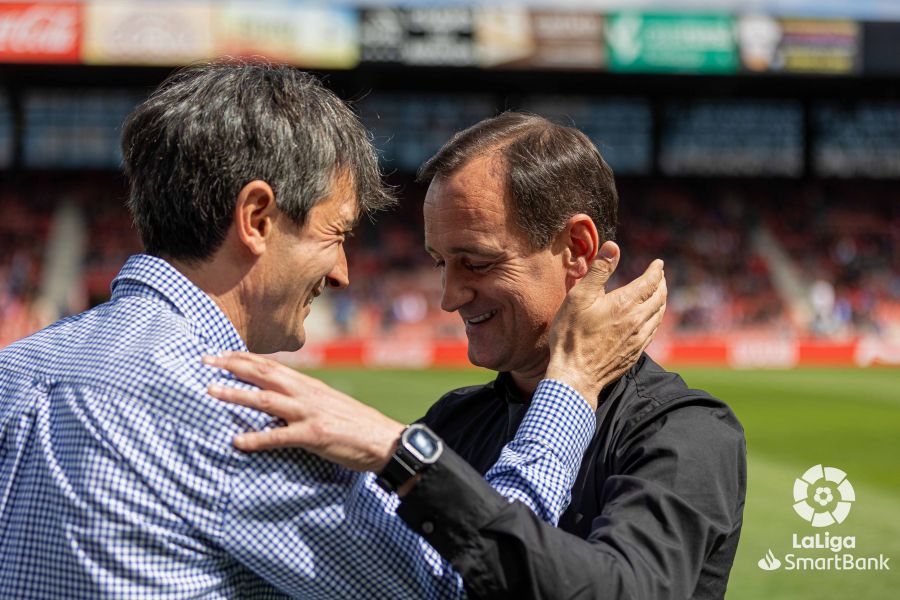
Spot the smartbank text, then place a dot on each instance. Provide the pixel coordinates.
(838, 562)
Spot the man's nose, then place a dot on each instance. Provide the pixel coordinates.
(455, 292)
(339, 277)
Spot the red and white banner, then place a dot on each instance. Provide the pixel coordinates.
(740, 352)
(41, 33)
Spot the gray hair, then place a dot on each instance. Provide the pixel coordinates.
(552, 173)
(210, 129)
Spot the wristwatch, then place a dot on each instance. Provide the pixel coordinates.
(418, 448)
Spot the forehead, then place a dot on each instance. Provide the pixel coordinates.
(341, 206)
(470, 202)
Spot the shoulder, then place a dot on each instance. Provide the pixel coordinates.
(657, 406)
(135, 354)
(652, 391)
(684, 440)
(467, 394)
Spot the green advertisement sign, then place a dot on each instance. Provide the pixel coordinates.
(671, 43)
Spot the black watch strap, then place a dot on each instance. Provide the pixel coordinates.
(395, 474)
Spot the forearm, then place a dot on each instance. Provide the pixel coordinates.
(503, 550)
(650, 540)
(538, 467)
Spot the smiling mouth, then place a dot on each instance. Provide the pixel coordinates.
(479, 319)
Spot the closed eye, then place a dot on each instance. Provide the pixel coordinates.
(479, 267)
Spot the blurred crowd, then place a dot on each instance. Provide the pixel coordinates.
(845, 238)
(833, 269)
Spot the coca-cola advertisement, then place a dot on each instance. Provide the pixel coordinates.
(45, 32)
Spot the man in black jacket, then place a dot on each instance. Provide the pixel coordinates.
(517, 210)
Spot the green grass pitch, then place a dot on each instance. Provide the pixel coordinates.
(845, 418)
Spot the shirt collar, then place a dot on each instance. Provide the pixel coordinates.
(506, 389)
(206, 319)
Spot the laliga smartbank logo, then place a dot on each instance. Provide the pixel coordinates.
(823, 497)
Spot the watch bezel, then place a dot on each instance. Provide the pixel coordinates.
(408, 446)
(407, 461)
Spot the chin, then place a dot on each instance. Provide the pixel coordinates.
(295, 344)
(291, 344)
(483, 361)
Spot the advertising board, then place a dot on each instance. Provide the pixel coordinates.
(151, 33)
(670, 43)
(828, 47)
(41, 32)
(313, 36)
(519, 38)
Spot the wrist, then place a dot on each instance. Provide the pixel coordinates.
(385, 444)
(588, 389)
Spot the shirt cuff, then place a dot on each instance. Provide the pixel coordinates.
(448, 507)
(561, 420)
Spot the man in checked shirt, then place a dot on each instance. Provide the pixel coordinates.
(118, 478)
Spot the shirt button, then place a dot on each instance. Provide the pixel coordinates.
(427, 527)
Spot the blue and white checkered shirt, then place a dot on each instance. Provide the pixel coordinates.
(118, 478)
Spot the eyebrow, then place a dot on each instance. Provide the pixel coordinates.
(479, 250)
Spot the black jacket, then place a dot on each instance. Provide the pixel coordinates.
(655, 513)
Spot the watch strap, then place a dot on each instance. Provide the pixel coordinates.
(396, 472)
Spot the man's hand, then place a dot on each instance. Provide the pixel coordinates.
(319, 418)
(596, 336)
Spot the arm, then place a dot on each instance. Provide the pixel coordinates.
(676, 498)
(318, 512)
(538, 467)
(314, 530)
(594, 339)
(340, 429)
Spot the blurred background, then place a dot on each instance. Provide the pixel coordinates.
(756, 146)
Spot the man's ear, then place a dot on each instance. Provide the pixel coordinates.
(581, 243)
(254, 215)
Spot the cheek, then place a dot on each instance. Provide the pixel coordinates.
(313, 265)
(538, 298)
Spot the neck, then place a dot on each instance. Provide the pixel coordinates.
(527, 379)
(223, 285)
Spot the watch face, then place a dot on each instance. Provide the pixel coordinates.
(424, 443)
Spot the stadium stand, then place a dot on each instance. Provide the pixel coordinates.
(720, 284)
(760, 168)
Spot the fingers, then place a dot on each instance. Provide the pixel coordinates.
(601, 269)
(656, 300)
(644, 287)
(271, 403)
(261, 372)
(282, 437)
(649, 329)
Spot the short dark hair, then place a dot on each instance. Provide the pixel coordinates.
(552, 171)
(210, 129)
